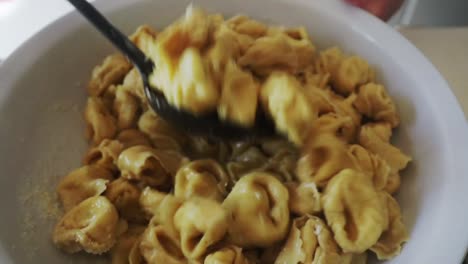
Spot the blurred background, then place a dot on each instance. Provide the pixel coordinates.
(19, 19)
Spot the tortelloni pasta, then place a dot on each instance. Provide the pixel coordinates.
(82, 183)
(283, 98)
(373, 101)
(320, 191)
(112, 71)
(126, 108)
(395, 158)
(201, 178)
(389, 243)
(324, 156)
(258, 206)
(90, 226)
(201, 223)
(354, 210)
(155, 167)
(101, 124)
(309, 241)
(372, 165)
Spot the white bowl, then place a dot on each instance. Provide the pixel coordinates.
(43, 93)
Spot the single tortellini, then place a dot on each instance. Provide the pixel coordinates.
(282, 96)
(324, 156)
(161, 207)
(374, 102)
(100, 122)
(395, 158)
(389, 243)
(354, 210)
(182, 75)
(304, 198)
(132, 137)
(125, 197)
(225, 49)
(370, 164)
(127, 109)
(258, 206)
(284, 50)
(105, 154)
(201, 178)
(309, 241)
(90, 226)
(112, 71)
(201, 223)
(192, 86)
(328, 60)
(154, 167)
(239, 96)
(121, 252)
(144, 38)
(82, 183)
(351, 72)
(227, 255)
(160, 245)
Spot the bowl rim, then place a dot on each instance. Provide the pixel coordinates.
(454, 130)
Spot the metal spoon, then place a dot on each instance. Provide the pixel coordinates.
(208, 125)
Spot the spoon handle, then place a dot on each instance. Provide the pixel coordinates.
(120, 40)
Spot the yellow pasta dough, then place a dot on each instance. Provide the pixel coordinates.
(354, 211)
(111, 71)
(283, 98)
(201, 178)
(201, 223)
(309, 241)
(156, 168)
(258, 206)
(82, 183)
(100, 122)
(373, 101)
(324, 156)
(90, 226)
(389, 243)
